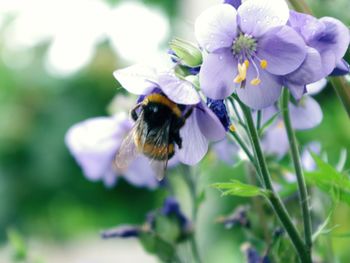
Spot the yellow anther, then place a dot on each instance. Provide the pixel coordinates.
(232, 128)
(263, 64)
(246, 63)
(255, 82)
(238, 79)
(242, 72)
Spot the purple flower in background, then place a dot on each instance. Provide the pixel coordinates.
(307, 114)
(251, 46)
(327, 40)
(234, 3)
(123, 231)
(200, 128)
(94, 144)
(226, 150)
(252, 255)
(171, 207)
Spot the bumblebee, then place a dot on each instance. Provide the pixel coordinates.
(155, 133)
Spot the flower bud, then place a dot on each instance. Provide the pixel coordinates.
(187, 53)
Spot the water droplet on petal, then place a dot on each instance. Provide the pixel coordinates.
(220, 57)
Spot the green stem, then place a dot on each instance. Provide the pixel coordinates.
(342, 88)
(258, 120)
(274, 199)
(300, 6)
(190, 179)
(303, 195)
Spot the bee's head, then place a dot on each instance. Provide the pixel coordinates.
(156, 114)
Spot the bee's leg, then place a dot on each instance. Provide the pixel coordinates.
(188, 113)
(133, 112)
(178, 139)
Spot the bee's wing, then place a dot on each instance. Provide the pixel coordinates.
(128, 151)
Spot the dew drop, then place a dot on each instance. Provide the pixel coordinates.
(258, 22)
(220, 58)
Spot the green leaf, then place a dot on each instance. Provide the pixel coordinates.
(238, 188)
(18, 245)
(322, 230)
(154, 244)
(329, 180)
(268, 123)
(167, 228)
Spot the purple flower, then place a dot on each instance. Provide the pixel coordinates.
(251, 45)
(171, 207)
(327, 40)
(238, 217)
(252, 255)
(201, 127)
(226, 151)
(342, 68)
(123, 231)
(234, 3)
(307, 114)
(94, 144)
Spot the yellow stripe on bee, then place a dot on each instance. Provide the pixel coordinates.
(158, 98)
(157, 152)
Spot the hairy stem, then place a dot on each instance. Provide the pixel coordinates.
(303, 195)
(274, 199)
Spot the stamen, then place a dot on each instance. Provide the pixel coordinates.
(242, 71)
(263, 64)
(232, 128)
(255, 82)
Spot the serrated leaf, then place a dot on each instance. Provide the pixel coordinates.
(329, 180)
(238, 188)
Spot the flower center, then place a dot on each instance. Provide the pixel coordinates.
(244, 46)
(244, 49)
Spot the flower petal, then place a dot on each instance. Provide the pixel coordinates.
(141, 174)
(194, 143)
(216, 27)
(179, 91)
(342, 68)
(336, 36)
(209, 124)
(283, 49)
(306, 25)
(234, 3)
(309, 71)
(316, 87)
(306, 115)
(137, 79)
(275, 140)
(226, 151)
(217, 74)
(306, 159)
(257, 17)
(263, 95)
(94, 142)
(297, 90)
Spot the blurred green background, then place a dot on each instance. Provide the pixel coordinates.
(43, 193)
